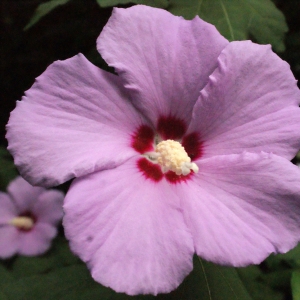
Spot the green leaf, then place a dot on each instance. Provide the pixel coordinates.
(235, 19)
(295, 282)
(3, 296)
(206, 282)
(154, 3)
(220, 282)
(258, 288)
(260, 291)
(5, 277)
(59, 256)
(278, 279)
(238, 19)
(8, 170)
(292, 256)
(267, 23)
(53, 285)
(43, 9)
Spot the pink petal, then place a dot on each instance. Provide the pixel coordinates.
(23, 194)
(8, 241)
(164, 60)
(241, 208)
(129, 230)
(37, 241)
(250, 103)
(74, 120)
(48, 207)
(7, 209)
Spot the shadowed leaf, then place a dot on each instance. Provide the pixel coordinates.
(44, 9)
(296, 285)
(238, 19)
(154, 3)
(7, 169)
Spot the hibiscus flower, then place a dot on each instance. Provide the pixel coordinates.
(185, 151)
(28, 218)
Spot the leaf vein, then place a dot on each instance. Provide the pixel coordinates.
(205, 277)
(227, 20)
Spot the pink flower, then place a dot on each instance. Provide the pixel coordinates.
(186, 151)
(28, 218)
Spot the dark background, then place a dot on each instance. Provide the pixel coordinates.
(68, 30)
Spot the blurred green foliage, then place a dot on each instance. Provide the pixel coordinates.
(43, 9)
(60, 275)
(235, 19)
(154, 3)
(296, 285)
(238, 20)
(7, 169)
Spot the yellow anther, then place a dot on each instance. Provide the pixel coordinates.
(173, 157)
(25, 223)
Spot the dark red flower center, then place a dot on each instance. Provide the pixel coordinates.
(143, 141)
(30, 216)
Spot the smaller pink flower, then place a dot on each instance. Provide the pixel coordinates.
(28, 218)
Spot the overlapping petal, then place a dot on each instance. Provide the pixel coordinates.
(242, 207)
(48, 207)
(129, 230)
(251, 103)
(75, 119)
(36, 241)
(164, 60)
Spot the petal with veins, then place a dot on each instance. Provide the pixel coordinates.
(129, 230)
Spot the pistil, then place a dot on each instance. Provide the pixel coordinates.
(22, 222)
(171, 156)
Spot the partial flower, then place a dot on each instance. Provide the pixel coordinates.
(28, 218)
(186, 151)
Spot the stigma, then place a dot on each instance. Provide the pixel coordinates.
(22, 222)
(171, 156)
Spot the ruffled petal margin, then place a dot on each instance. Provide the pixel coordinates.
(164, 60)
(76, 119)
(129, 230)
(251, 103)
(241, 208)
